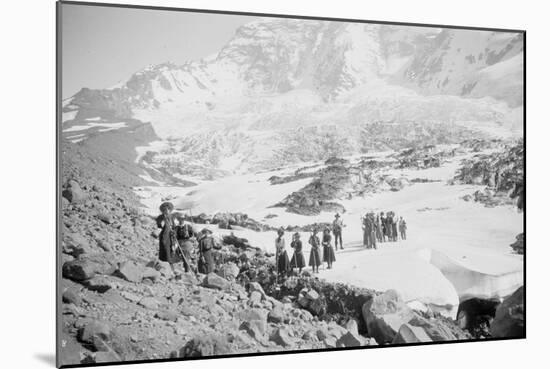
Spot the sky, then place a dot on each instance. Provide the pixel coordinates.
(102, 46)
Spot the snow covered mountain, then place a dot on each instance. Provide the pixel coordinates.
(327, 83)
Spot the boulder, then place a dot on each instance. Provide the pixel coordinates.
(255, 298)
(87, 266)
(167, 315)
(411, 334)
(163, 267)
(384, 315)
(350, 339)
(254, 315)
(203, 346)
(130, 271)
(99, 284)
(303, 301)
(276, 315)
(519, 245)
(71, 296)
(322, 334)
(151, 274)
(330, 342)
(214, 281)
(74, 193)
(282, 337)
(509, 319)
(106, 357)
(352, 326)
(437, 330)
(104, 245)
(317, 307)
(149, 303)
(255, 328)
(94, 331)
(311, 294)
(229, 271)
(75, 244)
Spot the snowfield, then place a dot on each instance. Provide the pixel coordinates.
(454, 250)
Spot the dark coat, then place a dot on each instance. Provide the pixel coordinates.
(206, 259)
(167, 238)
(328, 251)
(283, 263)
(298, 260)
(315, 253)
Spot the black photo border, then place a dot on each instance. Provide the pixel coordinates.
(59, 96)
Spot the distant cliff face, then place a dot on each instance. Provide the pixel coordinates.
(279, 78)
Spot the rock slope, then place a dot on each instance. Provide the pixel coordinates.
(118, 302)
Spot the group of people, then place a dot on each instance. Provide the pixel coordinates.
(382, 227)
(321, 252)
(178, 243)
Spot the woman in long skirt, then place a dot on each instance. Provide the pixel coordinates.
(167, 237)
(328, 251)
(283, 264)
(315, 253)
(298, 260)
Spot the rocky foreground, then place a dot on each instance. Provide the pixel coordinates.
(118, 302)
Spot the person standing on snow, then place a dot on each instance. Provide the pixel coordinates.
(378, 228)
(394, 224)
(281, 256)
(315, 253)
(384, 225)
(298, 260)
(337, 226)
(403, 228)
(328, 251)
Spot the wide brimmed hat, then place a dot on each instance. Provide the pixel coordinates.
(166, 206)
(280, 231)
(206, 231)
(297, 235)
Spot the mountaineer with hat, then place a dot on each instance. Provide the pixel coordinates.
(315, 253)
(206, 259)
(281, 257)
(167, 237)
(337, 226)
(328, 251)
(298, 260)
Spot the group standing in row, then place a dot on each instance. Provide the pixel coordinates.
(179, 243)
(321, 252)
(382, 227)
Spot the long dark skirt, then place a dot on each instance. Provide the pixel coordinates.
(165, 249)
(315, 257)
(298, 260)
(206, 263)
(328, 254)
(283, 264)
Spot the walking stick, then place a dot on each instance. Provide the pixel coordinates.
(276, 265)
